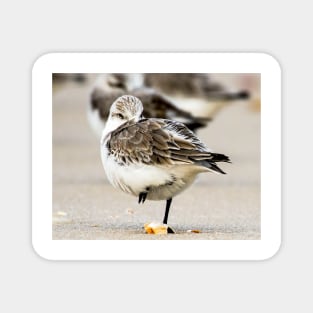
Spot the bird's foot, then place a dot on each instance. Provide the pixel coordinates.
(158, 229)
(142, 197)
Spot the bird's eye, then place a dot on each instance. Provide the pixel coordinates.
(121, 116)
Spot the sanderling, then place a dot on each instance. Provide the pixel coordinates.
(195, 93)
(109, 87)
(152, 158)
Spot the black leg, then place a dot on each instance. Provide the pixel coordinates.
(142, 197)
(167, 209)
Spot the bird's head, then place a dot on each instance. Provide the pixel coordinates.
(124, 109)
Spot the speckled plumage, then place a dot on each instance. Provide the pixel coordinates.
(157, 157)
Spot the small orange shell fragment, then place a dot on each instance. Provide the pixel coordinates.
(155, 228)
(196, 231)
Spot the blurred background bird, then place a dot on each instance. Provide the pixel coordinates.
(108, 87)
(197, 93)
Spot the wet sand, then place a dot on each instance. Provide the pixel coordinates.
(86, 206)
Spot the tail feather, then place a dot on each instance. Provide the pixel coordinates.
(210, 162)
(218, 157)
(196, 123)
(213, 167)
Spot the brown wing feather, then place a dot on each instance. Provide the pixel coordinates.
(157, 141)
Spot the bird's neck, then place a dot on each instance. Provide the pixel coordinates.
(110, 126)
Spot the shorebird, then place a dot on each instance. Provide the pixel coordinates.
(151, 158)
(195, 93)
(109, 87)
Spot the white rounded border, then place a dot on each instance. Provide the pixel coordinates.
(261, 249)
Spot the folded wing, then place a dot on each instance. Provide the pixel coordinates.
(161, 142)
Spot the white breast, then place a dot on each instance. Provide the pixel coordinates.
(163, 182)
(134, 178)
